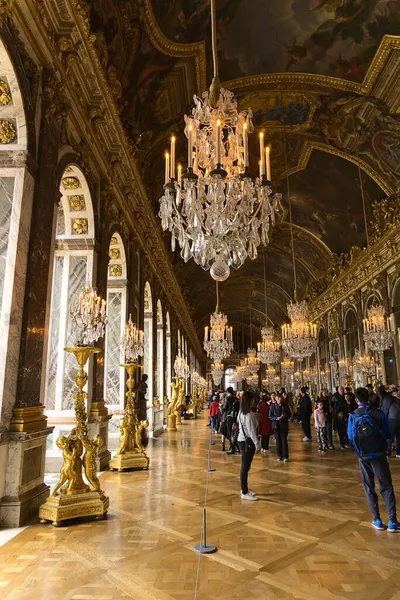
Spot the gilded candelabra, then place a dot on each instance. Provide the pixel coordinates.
(72, 497)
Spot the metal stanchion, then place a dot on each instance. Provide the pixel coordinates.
(203, 547)
(212, 442)
(209, 469)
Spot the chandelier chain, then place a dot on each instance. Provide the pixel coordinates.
(214, 39)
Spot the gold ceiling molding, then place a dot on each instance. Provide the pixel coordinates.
(310, 234)
(309, 147)
(169, 47)
(85, 84)
(293, 81)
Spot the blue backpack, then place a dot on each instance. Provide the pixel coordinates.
(368, 439)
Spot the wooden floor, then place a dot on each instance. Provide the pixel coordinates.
(308, 536)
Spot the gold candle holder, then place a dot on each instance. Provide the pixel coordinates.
(130, 454)
(72, 497)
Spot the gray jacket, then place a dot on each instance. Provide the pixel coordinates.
(390, 408)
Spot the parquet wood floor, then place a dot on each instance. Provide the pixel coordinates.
(308, 537)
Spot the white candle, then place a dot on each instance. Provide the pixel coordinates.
(205, 334)
(173, 157)
(166, 167)
(179, 175)
(268, 162)
(190, 147)
(260, 168)
(245, 146)
(262, 157)
(218, 143)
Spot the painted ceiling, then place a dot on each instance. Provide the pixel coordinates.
(320, 77)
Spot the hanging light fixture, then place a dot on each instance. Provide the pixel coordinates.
(252, 360)
(364, 363)
(252, 380)
(287, 367)
(216, 210)
(181, 367)
(218, 338)
(269, 348)
(217, 372)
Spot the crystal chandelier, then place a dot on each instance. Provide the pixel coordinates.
(252, 361)
(287, 366)
(270, 376)
(216, 210)
(268, 348)
(181, 367)
(378, 335)
(132, 342)
(252, 380)
(218, 338)
(89, 316)
(299, 338)
(217, 372)
(364, 363)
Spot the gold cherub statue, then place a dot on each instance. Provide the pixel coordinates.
(174, 397)
(71, 470)
(125, 439)
(89, 460)
(138, 436)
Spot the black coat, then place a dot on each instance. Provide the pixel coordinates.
(339, 404)
(275, 411)
(305, 406)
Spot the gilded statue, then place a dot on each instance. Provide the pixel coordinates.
(125, 439)
(138, 436)
(71, 470)
(181, 399)
(89, 460)
(174, 398)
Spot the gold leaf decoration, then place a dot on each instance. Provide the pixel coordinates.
(5, 93)
(71, 183)
(80, 226)
(115, 254)
(113, 241)
(77, 202)
(8, 132)
(115, 270)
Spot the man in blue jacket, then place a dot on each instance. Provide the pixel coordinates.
(368, 431)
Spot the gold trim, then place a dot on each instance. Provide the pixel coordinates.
(29, 418)
(5, 93)
(8, 132)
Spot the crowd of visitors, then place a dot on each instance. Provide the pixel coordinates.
(364, 420)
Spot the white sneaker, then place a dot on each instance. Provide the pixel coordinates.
(251, 492)
(306, 439)
(248, 497)
(397, 455)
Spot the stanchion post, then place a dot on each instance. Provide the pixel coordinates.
(209, 469)
(212, 442)
(203, 547)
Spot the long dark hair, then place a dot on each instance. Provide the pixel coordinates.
(247, 402)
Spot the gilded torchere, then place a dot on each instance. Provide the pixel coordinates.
(171, 418)
(130, 454)
(72, 497)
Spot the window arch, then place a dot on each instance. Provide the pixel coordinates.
(168, 352)
(72, 270)
(148, 340)
(114, 378)
(351, 333)
(160, 352)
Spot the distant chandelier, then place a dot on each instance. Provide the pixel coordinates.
(270, 374)
(181, 367)
(287, 367)
(252, 361)
(216, 210)
(269, 348)
(299, 338)
(252, 380)
(217, 372)
(364, 363)
(377, 331)
(132, 342)
(218, 342)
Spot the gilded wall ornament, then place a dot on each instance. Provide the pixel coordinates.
(80, 226)
(115, 254)
(115, 270)
(77, 202)
(113, 241)
(71, 183)
(5, 93)
(8, 132)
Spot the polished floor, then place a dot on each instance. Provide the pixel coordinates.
(308, 537)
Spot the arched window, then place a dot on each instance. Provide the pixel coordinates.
(322, 359)
(168, 357)
(228, 378)
(351, 333)
(114, 377)
(16, 193)
(72, 270)
(148, 340)
(160, 352)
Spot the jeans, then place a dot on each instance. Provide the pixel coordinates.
(329, 432)
(247, 450)
(379, 468)
(305, 422)
(215, 423)
(282, 449)
(265, 442)
(395, 437)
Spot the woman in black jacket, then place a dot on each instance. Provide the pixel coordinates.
(305, 412)
(279, 413)
(229, 413)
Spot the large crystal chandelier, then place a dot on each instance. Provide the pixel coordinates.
(378, 335)
(218, 338)
(268, 348)
(217, 211)
(217, 372)
(299, 338)
(89, 316)
(181, 367)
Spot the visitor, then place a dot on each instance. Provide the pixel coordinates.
(374, 399)
(368, 431)
(351, 401)
(339, 401)
(264, 423)
(279, 413)
(326, 399)
(229, 414)
(320, 427)
(214, 413)
(248, 442)
(341, 428)
(391, 410)
(305, 412)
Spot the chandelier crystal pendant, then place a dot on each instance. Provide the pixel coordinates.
(218, 338)
(378, 335)
(217, 372)
(217, 211)
(299, 338)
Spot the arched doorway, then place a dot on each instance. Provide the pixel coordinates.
(160, 352)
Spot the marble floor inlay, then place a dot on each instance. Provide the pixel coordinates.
(308, 537)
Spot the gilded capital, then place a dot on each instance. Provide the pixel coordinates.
(8, 132)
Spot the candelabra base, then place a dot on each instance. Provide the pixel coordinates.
(171, 423)
(129, 460)
(64, 507)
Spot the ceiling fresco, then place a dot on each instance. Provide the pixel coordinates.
(320, 78)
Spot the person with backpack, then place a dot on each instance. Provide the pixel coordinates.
(368, 432)
(248, 442)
